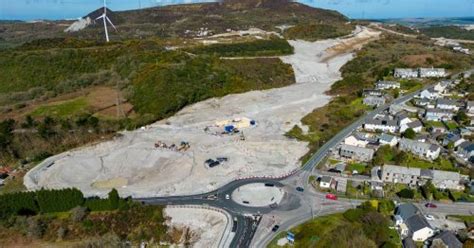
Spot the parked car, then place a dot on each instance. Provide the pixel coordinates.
(275, 228)
(429, 217)
(300, 189)
(227, 196)
(331, 197)
(430, 205)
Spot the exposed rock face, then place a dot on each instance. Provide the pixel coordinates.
(79, 25)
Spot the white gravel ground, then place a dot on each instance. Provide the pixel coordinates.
(258, 195)
(133, 166)
(208, 226)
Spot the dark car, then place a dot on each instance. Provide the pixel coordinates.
(300, 189)
(430, 205)
(275, 228)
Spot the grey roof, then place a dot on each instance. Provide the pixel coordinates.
(387, 137)
(443, 101)
(449, 239)
(426, 173)
(433, 147)
(401, 115)
(326, 179)
(406, 211)
(408, 243)
(416, 222)
(470, 104)
(467, 146)
(415, 124)
(437, 110)
(420, 145)
(357, 149)
(439, 175)
(401, 170)
(341, 167)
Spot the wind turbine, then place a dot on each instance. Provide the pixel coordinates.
(106, 19)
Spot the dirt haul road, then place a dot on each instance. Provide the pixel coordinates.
(133, 165)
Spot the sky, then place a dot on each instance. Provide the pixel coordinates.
(366, 9)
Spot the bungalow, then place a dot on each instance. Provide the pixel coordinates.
(429, 93)
(374, 100)
(386, 85)
(356, 153)
(447, 104)
(405, 73)
(354, 141)
(432, 72)
(435, 114)
(326, 182)
(382, 124)
(466, 150)
(368, 92)
(387, 139)
(446, 239)
(421, 149)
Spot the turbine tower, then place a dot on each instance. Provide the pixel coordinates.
(106, 19)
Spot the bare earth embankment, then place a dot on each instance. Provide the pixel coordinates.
(135, 167)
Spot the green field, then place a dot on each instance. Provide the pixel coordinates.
(62, 110)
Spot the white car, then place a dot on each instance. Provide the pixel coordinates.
(227, 196)
(429, 217)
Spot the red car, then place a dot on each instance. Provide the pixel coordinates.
(430, 205)
(331, 197)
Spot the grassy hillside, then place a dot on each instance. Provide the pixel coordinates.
(452, 32)
(179, 21)
(316, 31)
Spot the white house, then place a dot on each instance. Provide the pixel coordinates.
(429, 94)
(353, 141)
(441, 86)
(435, 114)
(447, 104)
(382, 124)
(421, 149)
(470, 107)
(416, 125)
(326, 182)
(386, 85)
(387, 139)
(432, 72)
(405, 73)
(420, 229)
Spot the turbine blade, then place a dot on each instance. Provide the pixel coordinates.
(111, 23)
(101, 16)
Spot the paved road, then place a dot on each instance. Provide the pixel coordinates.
(296, 207)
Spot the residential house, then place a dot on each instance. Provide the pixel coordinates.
(470, 107)
(423, 102)
(421, 149)
(416, 125)
(442, 86)
(422, 137)
(356, 153)
(370, 138)
(434, 114)
(429, 93)
(384, 124)
(354, 141)
(446, 239)
(447, 104)
(400, 174)
(368, 92)
(327, 182)
(386, 85)
(432, 72)
(466, 150)
(387, 139)
(417, 177)
(374, 100)
(442, 179)
(440, 129)
(453, 138)
(405, 73)
(402, 118)
(420, 229)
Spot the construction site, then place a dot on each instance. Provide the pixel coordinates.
(211, 143)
